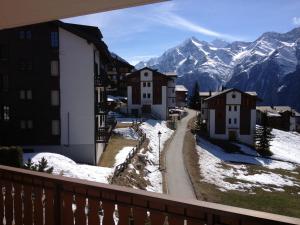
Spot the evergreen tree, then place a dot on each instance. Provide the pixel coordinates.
(195, 102)
(263, 137)
(42, 166)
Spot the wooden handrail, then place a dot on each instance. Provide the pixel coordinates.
(62, 193)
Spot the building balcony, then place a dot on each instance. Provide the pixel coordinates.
(29, 197)
(101, 81)
(101, 108)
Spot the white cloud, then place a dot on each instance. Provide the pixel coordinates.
(296, 21)
(168, 15)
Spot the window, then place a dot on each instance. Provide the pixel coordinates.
(22, 94)
(29, 94)
(144, 84)
(25, 65)
(149, 95)
(28, 35)
(229, 108)
(4, 82)
(235, 108)
(55, 127)
(54, 97)
(25, 94)
(54, 68)
(233, 96)
(96, 69)
(229, 121)
(54, 39)
(146, 74)
(29, 124)
(21, 35)
(235, 121)
(144, 95)
(149, 84)
(23, 124)
(6, 116)
(3, 52)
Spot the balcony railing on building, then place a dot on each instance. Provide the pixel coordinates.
(103, 133)
(29, 198)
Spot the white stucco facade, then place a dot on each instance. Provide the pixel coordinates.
(233, 120)
(159, 111)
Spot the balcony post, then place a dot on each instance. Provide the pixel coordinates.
(57, 204)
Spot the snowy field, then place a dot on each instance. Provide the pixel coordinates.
(151, 128)
(233, 171)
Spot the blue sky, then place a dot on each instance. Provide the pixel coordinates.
(143, 32)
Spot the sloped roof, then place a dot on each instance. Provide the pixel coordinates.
(147, 68)
(180, 88)
(251, 93)
(274, 109)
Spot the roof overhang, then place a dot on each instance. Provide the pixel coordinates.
(14, 13)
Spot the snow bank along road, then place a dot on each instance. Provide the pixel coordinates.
(177, 179)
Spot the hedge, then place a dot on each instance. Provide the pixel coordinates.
(11, 156)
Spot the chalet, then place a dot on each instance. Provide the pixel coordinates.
(279, 117)
(150, 92)
(53, 91)
(116, 72)
(231, 115)
(181, 95)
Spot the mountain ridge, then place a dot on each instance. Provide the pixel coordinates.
(260, 65)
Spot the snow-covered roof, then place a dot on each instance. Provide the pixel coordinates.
(180, 88)
(274, 109)
(171, 74)
(207, 93)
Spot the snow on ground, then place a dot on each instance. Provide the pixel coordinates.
(286, 146)
(127, 133)
(151, 128)
(122, 155)
(64, 166)
(217, 167)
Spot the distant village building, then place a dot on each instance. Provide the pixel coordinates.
(117, 71)
(150, 92)
(279, 117)
(181, 95)
(53, 96)
(230, 115)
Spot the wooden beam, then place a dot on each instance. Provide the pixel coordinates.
(14, 13)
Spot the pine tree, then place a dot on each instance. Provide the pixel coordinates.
(195, 101)
(263, 137)
(41, 166)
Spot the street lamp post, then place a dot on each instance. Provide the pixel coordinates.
(159, 135)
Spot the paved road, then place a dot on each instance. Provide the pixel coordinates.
(177, 179)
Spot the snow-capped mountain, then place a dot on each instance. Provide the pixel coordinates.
(261, 65)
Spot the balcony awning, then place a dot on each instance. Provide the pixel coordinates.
(14, 13)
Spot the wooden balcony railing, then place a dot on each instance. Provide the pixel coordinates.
(29, 197)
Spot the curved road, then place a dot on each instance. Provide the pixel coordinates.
(177, 179)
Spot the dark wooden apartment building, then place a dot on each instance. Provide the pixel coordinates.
(116, 72)
(52, 89)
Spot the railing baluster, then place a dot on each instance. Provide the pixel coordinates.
(38, 207)
(109, 209)
(49, 206)
(3, 194)
(93, 212)
(157, 218)
(8, 202)
(124, 214)
(67, 213)
(80, 217)
(27, 210)
(139, 215)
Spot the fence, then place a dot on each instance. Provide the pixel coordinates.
(121, 167)
(29, 197)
